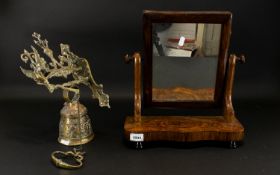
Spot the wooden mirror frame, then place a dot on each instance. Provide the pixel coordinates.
(150, 17)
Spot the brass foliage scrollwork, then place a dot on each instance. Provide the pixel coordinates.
(66, 65)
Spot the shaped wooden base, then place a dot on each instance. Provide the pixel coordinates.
(184, 128)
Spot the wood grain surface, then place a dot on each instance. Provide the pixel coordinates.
(183, 94)
(185, 128)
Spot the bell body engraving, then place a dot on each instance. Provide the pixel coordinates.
(75, 125)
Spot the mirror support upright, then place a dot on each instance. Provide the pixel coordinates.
(137, 84)
(228, 107)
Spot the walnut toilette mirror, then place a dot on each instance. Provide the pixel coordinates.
(185, 65)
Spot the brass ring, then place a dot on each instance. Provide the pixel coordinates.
(61, 164)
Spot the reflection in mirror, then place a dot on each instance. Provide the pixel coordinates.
(185, 60)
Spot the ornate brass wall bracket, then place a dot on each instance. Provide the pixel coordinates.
(75, 126)
(67, 65)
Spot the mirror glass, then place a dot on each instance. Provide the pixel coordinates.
(185, 61)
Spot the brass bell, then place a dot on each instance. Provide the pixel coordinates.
(75, 125)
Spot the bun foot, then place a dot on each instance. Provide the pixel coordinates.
(138, 145)
(233, 145)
